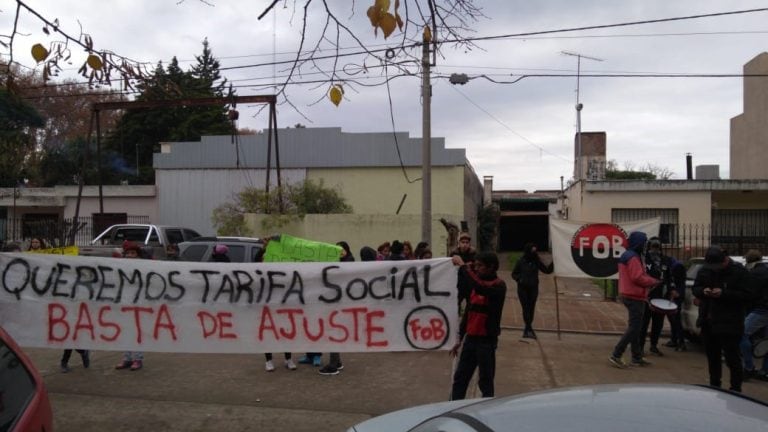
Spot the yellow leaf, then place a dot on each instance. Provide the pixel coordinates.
(95, 62)
(39, 53)
(373, 15)
(335, 95)
(427, 34)
(387, 24)
(383, 5)
(399, 21)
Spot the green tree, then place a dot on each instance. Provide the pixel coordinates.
(296, 200)
(18, 119)
(139, 132)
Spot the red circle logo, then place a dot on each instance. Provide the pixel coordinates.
(596, 248)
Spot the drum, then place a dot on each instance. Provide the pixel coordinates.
(663, 306)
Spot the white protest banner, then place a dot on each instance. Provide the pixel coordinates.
(59, 301)
(592, 250)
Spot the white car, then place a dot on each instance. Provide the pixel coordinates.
(611, 407)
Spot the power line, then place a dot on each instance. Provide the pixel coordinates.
(540, 148)
(515, 35)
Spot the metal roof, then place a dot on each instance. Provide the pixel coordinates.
(307, 148)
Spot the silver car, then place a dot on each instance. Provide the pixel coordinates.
(241, 249)
(611, 407)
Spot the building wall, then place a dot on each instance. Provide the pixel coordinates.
(187, 197)
(372, 190)
(749, 131)
(740, 200)
(695, 207)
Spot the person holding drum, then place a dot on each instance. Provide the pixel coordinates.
(661, 297)
(634, 284)
(723, 288)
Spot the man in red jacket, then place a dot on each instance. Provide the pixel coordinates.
(634, 285)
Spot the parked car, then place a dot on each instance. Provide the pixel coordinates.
(156, 237)
(241, 249)
(614, 407)
(690, 312)
(24, 403)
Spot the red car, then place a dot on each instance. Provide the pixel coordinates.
(24, 404)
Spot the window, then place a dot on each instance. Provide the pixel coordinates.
(190, 234)
(236, 253)
(174, 236)
(194, 253)
(668, 218)
(18, 387)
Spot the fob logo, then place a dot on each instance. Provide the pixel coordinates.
(596, 248)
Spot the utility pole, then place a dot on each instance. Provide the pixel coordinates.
(578, 173)
(426, 146)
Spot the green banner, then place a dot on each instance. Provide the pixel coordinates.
(295, 249)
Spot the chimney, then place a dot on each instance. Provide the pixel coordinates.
(688, 166)
(487, 189)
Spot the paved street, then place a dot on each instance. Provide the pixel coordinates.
(184, 392)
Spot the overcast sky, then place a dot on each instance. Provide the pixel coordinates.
(522, 133)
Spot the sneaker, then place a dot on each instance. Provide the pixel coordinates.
(270, 367)
(681, 347)
(655, 350)
(64, 368)
(340, 366)
(86, 356)
(125, 364)
(617, 362)
(136, 365)
(671, 344)
(305, 359)
(317, 361)
(290, 365)
(532, 334)
(640, 362)
(329, 370)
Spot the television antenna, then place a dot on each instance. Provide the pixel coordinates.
(579, 106)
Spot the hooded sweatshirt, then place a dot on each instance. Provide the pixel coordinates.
(634, 283)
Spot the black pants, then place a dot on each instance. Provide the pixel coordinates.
(268, 356)
(480, 354)
(631, 336)
(656, 321)
(717, 344)
(528, 296)
(67, 354)
(676, 322)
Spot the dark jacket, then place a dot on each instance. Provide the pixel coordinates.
(482, 320)
(725, 314)
(667, 269)
(759, 276)
(526, 272)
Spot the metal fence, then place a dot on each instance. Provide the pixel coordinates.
(55, 232)
(692, 240)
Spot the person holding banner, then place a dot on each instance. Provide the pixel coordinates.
(526, 274)
(634, 285)
(480, 325)
(132, 360)
(36, 244)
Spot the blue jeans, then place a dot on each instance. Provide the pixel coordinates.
(635, 310)
(757, 320)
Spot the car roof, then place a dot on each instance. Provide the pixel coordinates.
(225, 239)
(614, 407)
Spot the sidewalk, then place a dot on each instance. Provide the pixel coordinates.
(581, 304)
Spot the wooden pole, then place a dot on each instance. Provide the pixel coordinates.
(557, 308)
